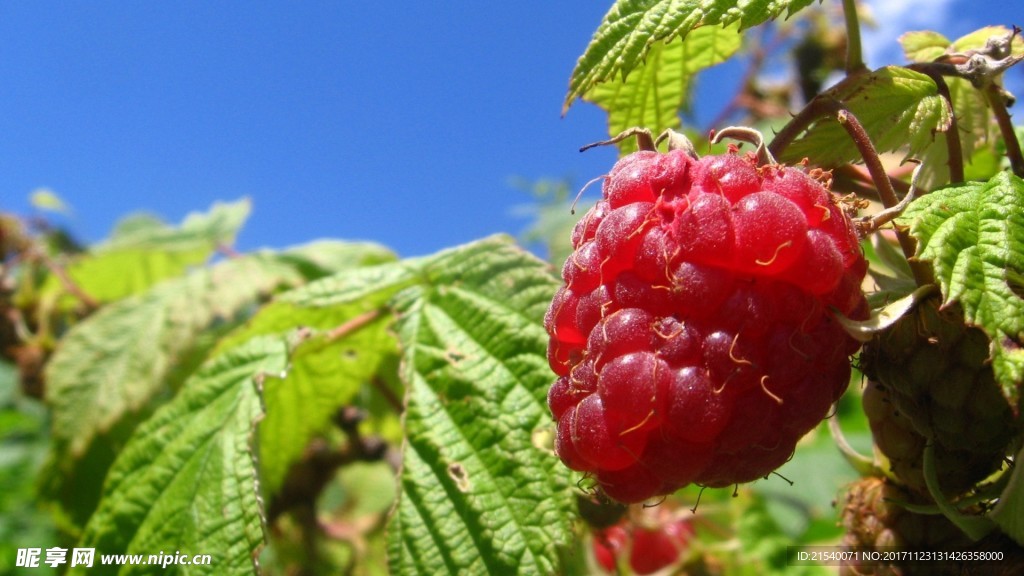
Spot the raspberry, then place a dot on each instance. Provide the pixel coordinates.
(658, 547)
(938, 371)
(875, 521)
(694, 340)
(931, 382)
(903, 446)
(608, 543)
(650, 546)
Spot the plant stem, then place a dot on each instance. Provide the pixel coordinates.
(353, 324)
(922, 274)
(953, 145)
(857, 180)
(854, 53)
(389, 395)
(996, 101)
(66, 281)
(803, 120)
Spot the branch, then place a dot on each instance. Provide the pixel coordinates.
(308, 477)
(996, 99)
(66, 281)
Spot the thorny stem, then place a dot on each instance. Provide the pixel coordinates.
(856, 179)
(792, 129)
(997, 101)
(982, 68)
(854, 54)
(825, 106)
(887, 215)
(922, 275)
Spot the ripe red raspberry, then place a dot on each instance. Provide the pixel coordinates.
(648, 547)
(608, 544)
(694, 340)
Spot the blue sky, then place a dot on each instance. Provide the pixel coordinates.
(397, 122)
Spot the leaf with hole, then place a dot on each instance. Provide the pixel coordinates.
(476, 495)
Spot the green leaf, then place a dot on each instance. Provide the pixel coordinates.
(187, 479)
(973, 234)
(328, 302)
(477, 496)
(326, 374)
(653, 95)
(976, 40)
(975, 125)
(330, 372)
(116, 360)
(899, 109)
(1008, 513)
(632, 27)
(136, 225)
(356, 285)
(111, 370)
(928, 46)
(325, 257)
(111, 364)
(923, 46)
(979, 133)
(143, 252)
(216, 227)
